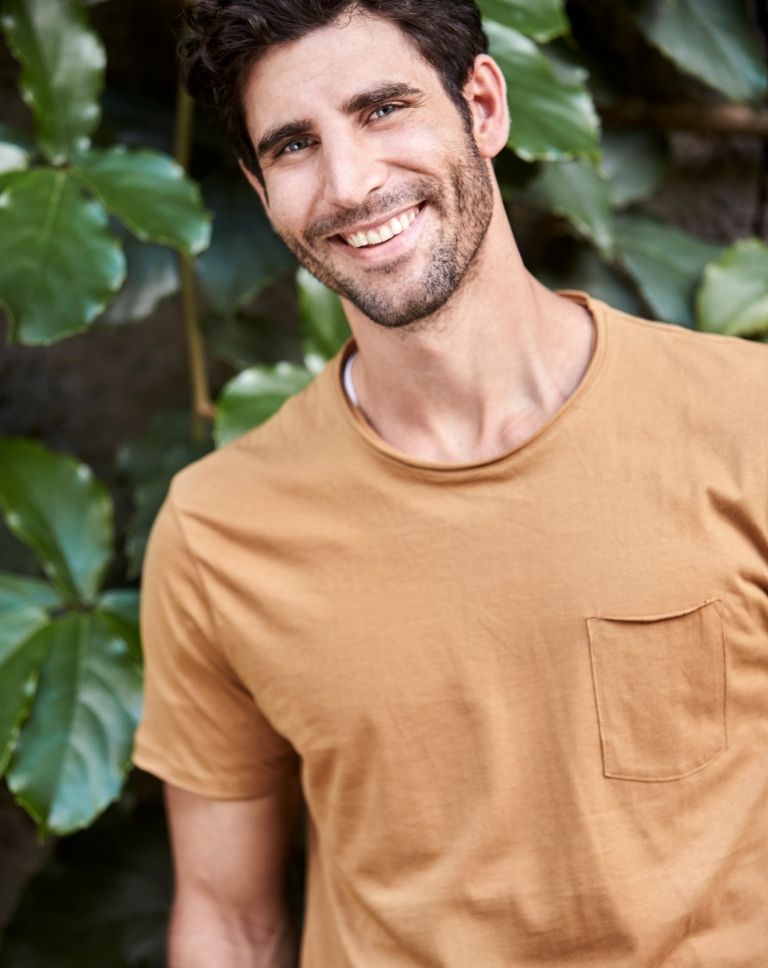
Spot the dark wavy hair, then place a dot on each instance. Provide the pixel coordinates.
(223, 39)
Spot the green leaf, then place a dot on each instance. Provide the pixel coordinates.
(244, 340)
(666, 263)
(254, 396)
(15, 150)
(150, 462)
(150, 193)
(152, 276)
(118, 609)
(712, 39)
(580, 193)
(74, 751)
(733, 297)
(245, 255)
(322, 316)
(24, 605)
(553, 118)
(58, 264)
(582, 269)
(53, 504)
(540, 19)
(636, 163)
(63, 70)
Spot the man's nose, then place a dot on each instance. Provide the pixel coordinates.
(352, 170)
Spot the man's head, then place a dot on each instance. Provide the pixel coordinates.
(225, 38)
(370, 149)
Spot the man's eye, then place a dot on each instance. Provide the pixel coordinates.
(384, 110)
(293, 146)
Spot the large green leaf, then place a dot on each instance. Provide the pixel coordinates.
(540, 19)
(53, 504)
(150, 193)
(58, 264)
(245, 255)
(322, 316)
(578, 191)
(15, 150)
(150, 461)
(255, 395)
(24, 605)
(579, 267)
(74, 750)
(666, 263)
(553, 117)
(118, 609)
(635, 162)
(152, 275)
(733, 297)
(63, 70)
(712, 39)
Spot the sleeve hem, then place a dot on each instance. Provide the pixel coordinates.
(169, 773)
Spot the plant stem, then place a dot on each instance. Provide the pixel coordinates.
(202, 407)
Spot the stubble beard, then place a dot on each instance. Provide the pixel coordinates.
(465, 204)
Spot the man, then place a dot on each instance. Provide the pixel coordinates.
(499, 606)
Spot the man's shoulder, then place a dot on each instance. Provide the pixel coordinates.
(689, 362)
(258, 464)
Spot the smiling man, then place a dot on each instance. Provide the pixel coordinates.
(491, 592)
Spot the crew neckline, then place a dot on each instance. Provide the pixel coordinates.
(356, 422)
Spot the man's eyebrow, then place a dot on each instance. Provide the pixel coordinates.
(378, 95)
(353, 105)
(282, 132)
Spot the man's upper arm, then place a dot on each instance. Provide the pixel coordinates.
(201, 728)
(233, 854)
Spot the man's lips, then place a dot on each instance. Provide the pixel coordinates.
(382, 231)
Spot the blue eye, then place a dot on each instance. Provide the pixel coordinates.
(293, 146)
(385, 110)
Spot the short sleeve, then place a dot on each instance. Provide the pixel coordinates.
(200, 729)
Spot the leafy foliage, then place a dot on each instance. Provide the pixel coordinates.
(552, 117)
(666, 264)
(59, 264)
(63, 71)
(70, 683)
(712, 39)
(541, 21)
(733, 297)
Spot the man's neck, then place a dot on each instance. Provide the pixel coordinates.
(482, 377)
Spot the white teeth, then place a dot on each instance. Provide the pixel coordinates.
(384, 232)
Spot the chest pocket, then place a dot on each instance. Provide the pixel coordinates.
(660, 689)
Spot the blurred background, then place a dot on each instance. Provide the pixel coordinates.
(149, 315)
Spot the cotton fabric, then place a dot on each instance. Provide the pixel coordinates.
(527, 699)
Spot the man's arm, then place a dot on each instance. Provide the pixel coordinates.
(231, 859)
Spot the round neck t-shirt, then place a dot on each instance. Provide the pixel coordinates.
(527, 699)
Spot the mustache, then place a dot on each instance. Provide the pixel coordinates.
(372, 209)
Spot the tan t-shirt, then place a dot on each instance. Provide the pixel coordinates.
(528, 698)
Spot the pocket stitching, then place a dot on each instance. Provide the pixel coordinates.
(600, 714)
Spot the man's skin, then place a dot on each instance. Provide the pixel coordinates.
(462, 385)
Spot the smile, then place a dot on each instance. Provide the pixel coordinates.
(383, 232)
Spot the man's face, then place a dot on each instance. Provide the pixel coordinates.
(371, 177)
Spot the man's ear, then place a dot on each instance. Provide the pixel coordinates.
(255, 184)
(486, 94)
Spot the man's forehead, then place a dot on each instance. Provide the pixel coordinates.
(330, 66)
